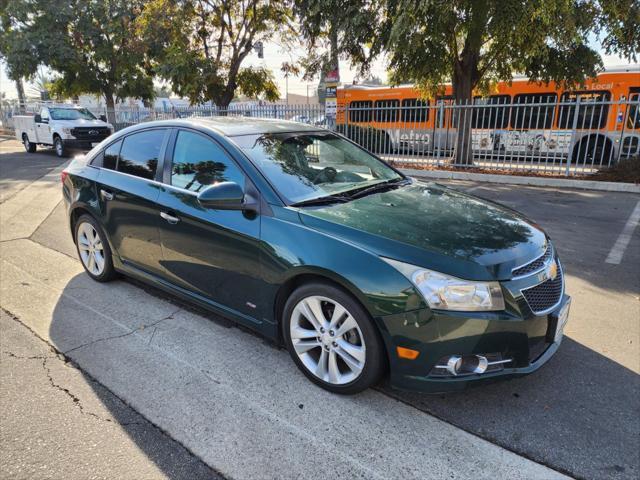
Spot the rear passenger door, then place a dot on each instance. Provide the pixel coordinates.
(128, 191)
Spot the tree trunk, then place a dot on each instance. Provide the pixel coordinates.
(462, 114)
(22, 99)
(111, 108)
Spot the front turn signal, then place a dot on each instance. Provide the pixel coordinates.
(407, 353)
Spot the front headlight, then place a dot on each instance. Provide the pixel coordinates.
(444, 292)
(66, 130)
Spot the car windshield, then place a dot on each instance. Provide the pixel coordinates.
(71, 114)
(308, 166)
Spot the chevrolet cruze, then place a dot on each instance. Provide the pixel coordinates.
(307, 238)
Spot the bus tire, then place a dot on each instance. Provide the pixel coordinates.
(592, 150)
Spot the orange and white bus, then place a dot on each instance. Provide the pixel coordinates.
(593, 124)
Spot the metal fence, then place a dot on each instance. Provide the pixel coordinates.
(577, 135)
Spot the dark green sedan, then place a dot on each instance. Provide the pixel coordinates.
(312, 241)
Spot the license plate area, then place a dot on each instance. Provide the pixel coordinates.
(559, 321)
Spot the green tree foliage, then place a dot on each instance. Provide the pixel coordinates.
(92, 44)
(619, 23)
(473, 43)
(200, 45)
(335, 29)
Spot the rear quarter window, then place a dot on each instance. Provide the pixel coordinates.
(139, 153)
(109, 158)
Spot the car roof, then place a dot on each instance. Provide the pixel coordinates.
(236, 126)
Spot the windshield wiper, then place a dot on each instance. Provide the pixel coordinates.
(325, 200)
(378, 187)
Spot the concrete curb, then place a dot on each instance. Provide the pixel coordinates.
(532, 181)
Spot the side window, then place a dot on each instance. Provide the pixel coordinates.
(139, 153)
(199, 162)
(532, 114)
(633, 116)
(110, 158)
(360, 111)
(44, 114)
(592, 112)
(98, 159)
(386, 110)
(486, 115)
(415, 110)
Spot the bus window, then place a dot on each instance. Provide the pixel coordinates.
(360, 111)
(591, 115)
(533, 116)
(491, 117)
(446, 100)
(386, 110)
(414, 110)
(633, 118)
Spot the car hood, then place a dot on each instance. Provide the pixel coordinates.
(82, 123)
(434, 227)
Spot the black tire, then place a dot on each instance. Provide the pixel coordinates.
(109, 273)
(594, 151)
(375, 354)
(58, 146)
(30, 147)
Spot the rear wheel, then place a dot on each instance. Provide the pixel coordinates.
(58, 144)
(28, 146)
(332, 339)
(594, 151)
(93, 249)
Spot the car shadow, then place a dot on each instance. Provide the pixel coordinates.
(578, 414)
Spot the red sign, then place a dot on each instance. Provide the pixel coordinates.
(332, 76)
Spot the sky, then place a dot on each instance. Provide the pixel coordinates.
(275, 55)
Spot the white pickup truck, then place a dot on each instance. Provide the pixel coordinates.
(63, 127)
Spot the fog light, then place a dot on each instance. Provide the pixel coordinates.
(465, 364)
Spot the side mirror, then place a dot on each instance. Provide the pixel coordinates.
(38, 118)
(226, 196)
(103, 118)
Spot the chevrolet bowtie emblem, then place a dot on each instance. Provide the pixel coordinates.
(552, 271)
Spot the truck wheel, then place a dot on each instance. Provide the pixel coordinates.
(28, 146)
(59, 146)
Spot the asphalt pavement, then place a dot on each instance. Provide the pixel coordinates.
(239, 405)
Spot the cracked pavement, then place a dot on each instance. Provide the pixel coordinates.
(59, 423)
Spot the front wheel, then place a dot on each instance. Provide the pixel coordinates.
(30, 147)
(332, 339)
(58, 144)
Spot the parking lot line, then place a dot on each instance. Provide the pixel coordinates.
(618, 249)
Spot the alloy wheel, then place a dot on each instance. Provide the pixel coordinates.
(327, 340)
(90, 248)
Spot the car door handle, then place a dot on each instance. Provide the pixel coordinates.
(107, 195)
(169, 218)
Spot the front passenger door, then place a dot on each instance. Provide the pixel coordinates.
(43, 129)
(212, 253)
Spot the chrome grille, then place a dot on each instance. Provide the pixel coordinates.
(546, 295)
(538, 264)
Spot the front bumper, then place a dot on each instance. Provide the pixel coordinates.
(530, 342)
(77, 144)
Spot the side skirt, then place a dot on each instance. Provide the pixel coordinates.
(265, 329)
